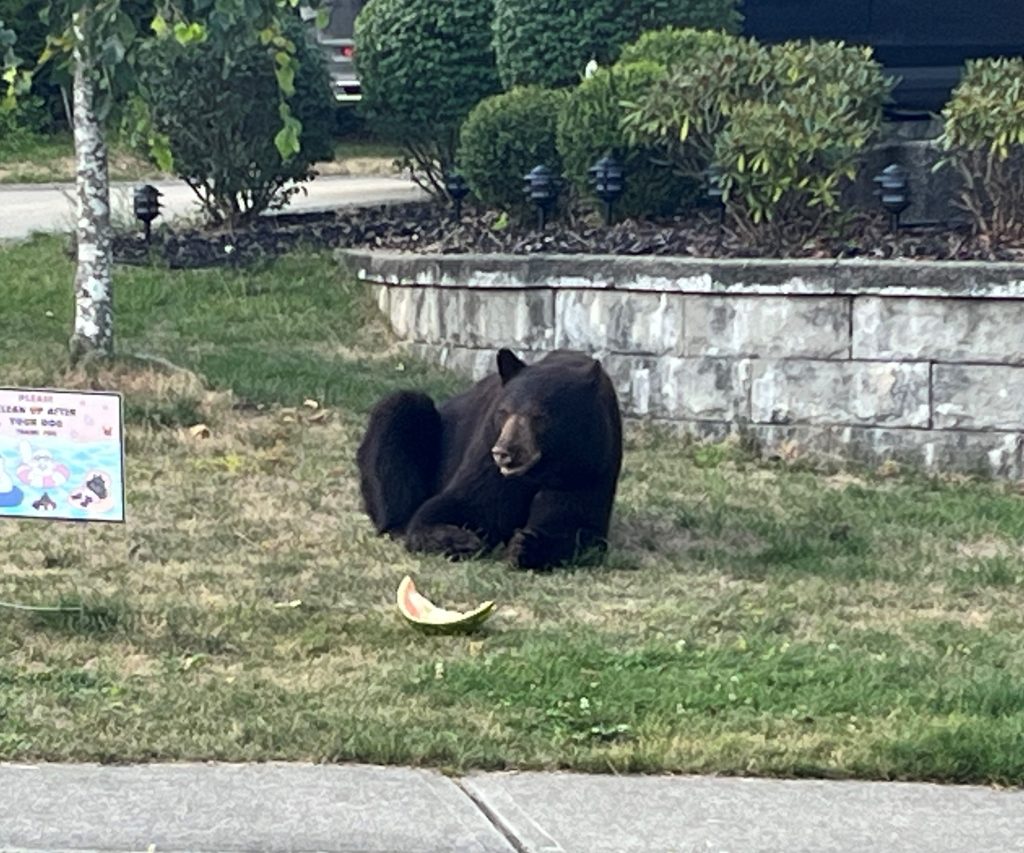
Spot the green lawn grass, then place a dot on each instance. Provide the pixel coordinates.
(751, 618)
(34, 159)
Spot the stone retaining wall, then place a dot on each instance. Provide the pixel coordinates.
(918, 362)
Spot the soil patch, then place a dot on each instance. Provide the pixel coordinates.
(430, 228)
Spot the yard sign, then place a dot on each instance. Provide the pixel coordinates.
(61, 455)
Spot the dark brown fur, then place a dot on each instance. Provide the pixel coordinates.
(432, 473)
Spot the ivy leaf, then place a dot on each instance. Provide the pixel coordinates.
(287, 138)
(285, 72)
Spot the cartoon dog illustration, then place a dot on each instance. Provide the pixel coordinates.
(94, 495)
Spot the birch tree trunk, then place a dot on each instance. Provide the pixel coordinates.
(94, 308)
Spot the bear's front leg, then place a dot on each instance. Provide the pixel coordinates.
(434, 529)
(562, 527)
(456, 543)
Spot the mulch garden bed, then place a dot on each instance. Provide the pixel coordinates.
(429, 228)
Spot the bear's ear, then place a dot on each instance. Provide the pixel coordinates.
(508, 365)
(594, 374)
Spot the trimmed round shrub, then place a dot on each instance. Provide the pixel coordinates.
(423, 66)
(503, 138)
(549, 42)
(672, 46)
(590, 125)
(218, 105)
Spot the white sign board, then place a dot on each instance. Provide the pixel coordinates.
(61, 455)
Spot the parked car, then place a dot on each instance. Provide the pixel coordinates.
(923, 42)
(337, 40)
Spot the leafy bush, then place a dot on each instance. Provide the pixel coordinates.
(42, 110)
(424, 65)
(788, 155)
(590, 124)
(984, 135)
(218, 105)
(786, 125)
(549, 42)
(707, 75)
(671, 46)
(503, 138)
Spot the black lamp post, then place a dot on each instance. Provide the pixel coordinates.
(457, 188)
(540, 185)
(894, 192)
(607, 177)
(715, 191)
(146, 204)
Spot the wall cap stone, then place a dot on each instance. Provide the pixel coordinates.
(736, 276)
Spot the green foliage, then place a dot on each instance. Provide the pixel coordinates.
(423, 66)
(41, 105)
(503, 138)
(549, 42)
(217, 107)
(707, 75)
(984, 135)
(590, 124)
(786, 124)
(789, 154)
(672, 46)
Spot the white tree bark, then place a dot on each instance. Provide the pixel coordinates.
(94, 314)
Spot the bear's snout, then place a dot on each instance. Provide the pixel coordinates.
(516, 450)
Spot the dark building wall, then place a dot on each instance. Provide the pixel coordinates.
(925, 42)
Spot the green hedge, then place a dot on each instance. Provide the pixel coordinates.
(423, 66)
(549, 42)
(503, 138)
(590, 125)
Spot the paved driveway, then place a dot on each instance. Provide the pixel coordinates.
(26, 208)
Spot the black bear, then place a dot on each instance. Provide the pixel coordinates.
(527, 457)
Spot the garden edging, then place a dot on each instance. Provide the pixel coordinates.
(920, 362)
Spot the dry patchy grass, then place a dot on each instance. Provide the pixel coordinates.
(750, 618)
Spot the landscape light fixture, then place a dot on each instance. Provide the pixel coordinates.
(146, 204)
(894, 192)
(457, 188)
(608, 179)
(714, 190)
(541, 187)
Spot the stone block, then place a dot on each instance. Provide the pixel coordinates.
(840, 392)
(707, 389)
(599, 321)
(521, 320)
(472, 363)
(939, 329)
(988, 454)
(978, 397)
(381, 297)
(767, 326)
(634, 378)
(415, 314)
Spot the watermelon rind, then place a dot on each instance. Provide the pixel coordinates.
(426, 616)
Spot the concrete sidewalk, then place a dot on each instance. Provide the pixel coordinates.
(26, 208)
(294, 807)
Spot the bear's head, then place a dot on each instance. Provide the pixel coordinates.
(547, 415)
